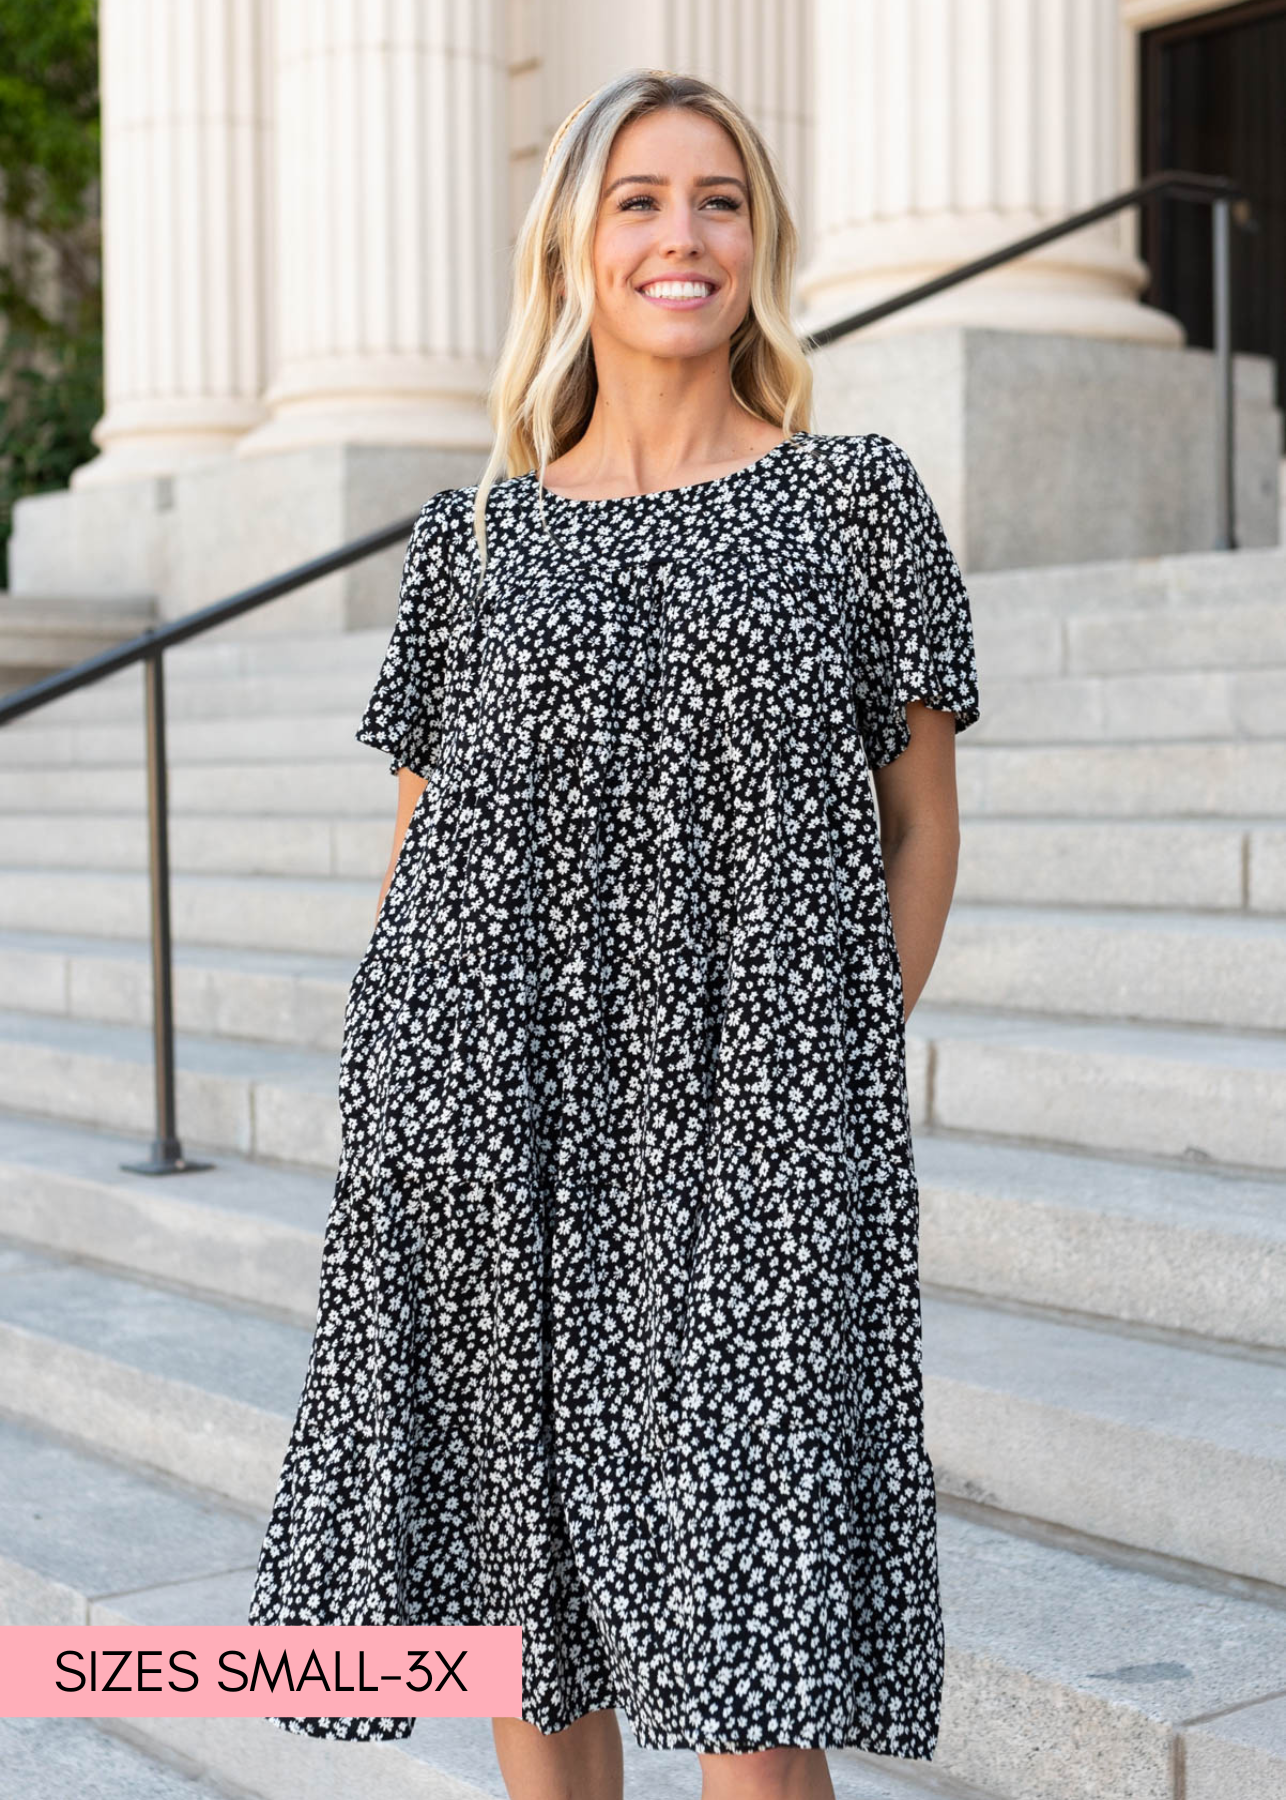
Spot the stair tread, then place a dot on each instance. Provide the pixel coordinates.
(243, 958)
(49, 1759)
(220, 1351)
(1196, 1199)
(253, 1191)
(1258, 1050)
(1223, 1400)
(237, 1059)
(1202, 1395)
(254, 1059)
(1173, 921)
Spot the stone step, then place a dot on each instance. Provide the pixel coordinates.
(1196, 1096)
(233, 1095)
(1178, 1251)
(92, 962)
(1037, 1418)
(190, 742)
(326, 916)
(1154, 1248)
(1218, 779)
(1066, 1674)
(227, 844)
(268, 719)
(1024, 1414)
(38, 637)
(1180, 706)
(1232, 865)
(1215, 779)
(1241, 1752)
(1074, 1678)
(201, 1391)
(358, 784)
(53, 1759)
(1179, 968)
(1224, 865)
(1166, 589)
(1235, 634)
(89, 1542)
(272, 996)
(243, 1232)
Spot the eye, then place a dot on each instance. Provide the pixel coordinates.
(725, 200)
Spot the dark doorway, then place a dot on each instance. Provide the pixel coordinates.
(1213, 99)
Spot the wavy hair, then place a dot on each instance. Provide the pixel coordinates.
(544, 384)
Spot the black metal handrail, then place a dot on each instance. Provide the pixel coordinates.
(1223, 194)
(1229, 201)
(166, 1156)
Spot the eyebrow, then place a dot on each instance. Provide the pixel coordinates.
(664, 181)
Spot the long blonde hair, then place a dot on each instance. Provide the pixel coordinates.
(543, 389)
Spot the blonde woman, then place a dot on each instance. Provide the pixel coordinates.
(619, 1331)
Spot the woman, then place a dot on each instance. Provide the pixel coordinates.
(619, 1331)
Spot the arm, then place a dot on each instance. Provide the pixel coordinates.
(409, 788)
(920, 841)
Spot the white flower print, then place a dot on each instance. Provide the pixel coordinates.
(618, 1335)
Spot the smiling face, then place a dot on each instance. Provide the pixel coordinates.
(674, 210)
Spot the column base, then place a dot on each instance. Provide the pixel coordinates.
(1042, 448)
(373, 399)
(206, 531)
(142, 438)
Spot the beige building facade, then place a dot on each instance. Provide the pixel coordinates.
(309, 212)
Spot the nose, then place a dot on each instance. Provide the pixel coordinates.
(682, 236)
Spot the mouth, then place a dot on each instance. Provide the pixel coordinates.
(679, 294)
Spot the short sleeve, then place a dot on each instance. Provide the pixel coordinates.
(404, 713)
(915, 626)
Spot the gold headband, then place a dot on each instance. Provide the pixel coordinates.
(575, 113)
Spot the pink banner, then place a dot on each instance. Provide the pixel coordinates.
(260, 1671)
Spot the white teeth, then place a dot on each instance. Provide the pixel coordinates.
(678, 290)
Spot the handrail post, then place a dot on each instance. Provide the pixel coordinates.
(167, 1156)
(1225, 500)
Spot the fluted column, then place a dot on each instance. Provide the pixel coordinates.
(390, 223)
(183, 127)
(946, 128)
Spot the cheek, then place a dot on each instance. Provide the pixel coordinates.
(739, 249)
(613, 271)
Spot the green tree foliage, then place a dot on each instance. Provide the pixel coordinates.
(51, 304)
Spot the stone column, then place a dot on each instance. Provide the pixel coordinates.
(390, 240)
(947, 128)
(183, 130)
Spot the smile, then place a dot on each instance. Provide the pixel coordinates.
(679, 296)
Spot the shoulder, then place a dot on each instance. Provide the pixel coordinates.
(446, 508)
(449, 514)
(443, 532)
(866, 463)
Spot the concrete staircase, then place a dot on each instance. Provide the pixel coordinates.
(1098, 1082)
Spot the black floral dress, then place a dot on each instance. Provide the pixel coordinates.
(619, 1325)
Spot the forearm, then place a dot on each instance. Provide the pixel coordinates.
(384, 888)
(409, 788)
(920, 872)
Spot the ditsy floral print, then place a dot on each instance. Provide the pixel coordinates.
(618, 1335)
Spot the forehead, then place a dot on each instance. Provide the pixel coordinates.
(673, 135)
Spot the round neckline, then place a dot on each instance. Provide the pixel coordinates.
(691, 487)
